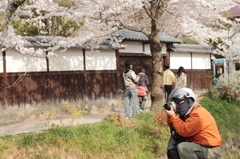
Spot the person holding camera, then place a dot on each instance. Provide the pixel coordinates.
(130, 81)
(197, 127)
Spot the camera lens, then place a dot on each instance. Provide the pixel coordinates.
(167, 106)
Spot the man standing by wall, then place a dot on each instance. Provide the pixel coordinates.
(130, 81)
(168, 80)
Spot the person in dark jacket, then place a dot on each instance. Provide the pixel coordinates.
(142, 86)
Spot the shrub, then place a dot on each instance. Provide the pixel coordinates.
(225, 115)
(226, 88)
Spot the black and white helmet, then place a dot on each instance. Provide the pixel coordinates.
(183, 94)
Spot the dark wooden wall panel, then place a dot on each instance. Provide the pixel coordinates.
(57, 87)
(21, 94)
(107, 86)
(77, 88)
(14, 92)
(45, 89)
(114, 85)
(88, 88)
(73, 88)
(197, 79)
(98, 85)
(36, 90)
(93, 86)
(139, 60)
(27, 90)
(9, 91)
(1, 91)
(82, 88)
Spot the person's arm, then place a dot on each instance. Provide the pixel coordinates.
(189, 127)
(164, 74)
(185, 81)
(134, 77)
(173, 77)
(170, 113)
(147, 80)
(176, 82)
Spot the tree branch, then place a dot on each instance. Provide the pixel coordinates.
(158, 7)
(148, 12)
(134, 29)
(12, 7)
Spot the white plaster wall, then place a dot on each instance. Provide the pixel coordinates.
(71, 60)
(1, 63)
(16, 62)
(201, 61)
(104, 60)
(164, 48)
(131, 47)
(136, 47)
(148, 50)
(180, 59)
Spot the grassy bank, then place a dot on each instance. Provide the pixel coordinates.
(228, 120)
(141, 137)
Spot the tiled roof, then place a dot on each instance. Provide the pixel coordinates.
(132, 35)
(45, 41)
(234, 12)
(191, 48)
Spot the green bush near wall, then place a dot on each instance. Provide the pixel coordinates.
(226, 115)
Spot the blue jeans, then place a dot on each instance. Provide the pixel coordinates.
(131, 93)
(142, 101)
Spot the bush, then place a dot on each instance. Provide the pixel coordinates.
(226, 88)
(225, 115)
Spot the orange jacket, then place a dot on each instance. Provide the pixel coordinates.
(200, 127)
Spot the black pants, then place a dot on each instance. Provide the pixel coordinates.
(168, 89)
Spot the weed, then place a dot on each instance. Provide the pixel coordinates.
(75, 113)
(28, 139)
(49, 117)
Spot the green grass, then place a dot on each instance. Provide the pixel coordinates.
(141, 137)
(226, 115)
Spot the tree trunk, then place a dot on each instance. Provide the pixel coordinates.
(156, 10)
(157, 86)
(12, 7)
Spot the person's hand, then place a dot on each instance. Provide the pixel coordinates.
(170, 112)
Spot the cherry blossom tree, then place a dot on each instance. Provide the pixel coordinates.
(8, 9)
(102, 19)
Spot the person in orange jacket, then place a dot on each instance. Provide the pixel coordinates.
(195, 124)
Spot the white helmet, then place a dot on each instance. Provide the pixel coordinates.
(181, 94)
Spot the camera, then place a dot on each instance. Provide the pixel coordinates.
(167, 106)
